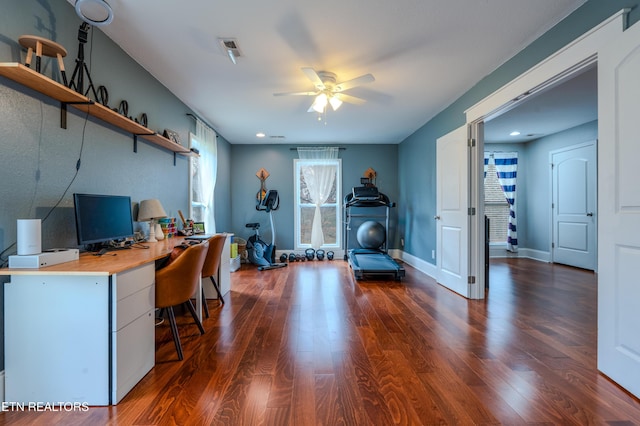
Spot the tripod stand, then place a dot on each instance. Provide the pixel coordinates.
(77, 78)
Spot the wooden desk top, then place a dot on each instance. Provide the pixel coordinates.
(107, 264)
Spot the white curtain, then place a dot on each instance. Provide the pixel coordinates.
(204, 169)
(319, 179)
(507, 168)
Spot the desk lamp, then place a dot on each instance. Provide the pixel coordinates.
(149, 211)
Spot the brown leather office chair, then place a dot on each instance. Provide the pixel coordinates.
(176, 283)
(212, 265)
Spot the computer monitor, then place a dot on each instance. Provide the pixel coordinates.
(102, 218)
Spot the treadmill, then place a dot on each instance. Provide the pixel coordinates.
(368, 261)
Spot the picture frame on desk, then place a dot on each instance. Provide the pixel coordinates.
(198, 227)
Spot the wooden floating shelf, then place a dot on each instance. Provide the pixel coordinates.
(40, 83)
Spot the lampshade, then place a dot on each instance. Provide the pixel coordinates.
(320, 103)
(150, 210)
(335, 102)
(94, 12)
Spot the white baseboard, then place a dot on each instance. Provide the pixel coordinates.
(421, 265)
(542, 256)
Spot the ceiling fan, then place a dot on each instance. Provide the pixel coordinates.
(329, 91)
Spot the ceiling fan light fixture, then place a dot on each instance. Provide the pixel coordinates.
(320, 103)
(94, 12)
(335, 102)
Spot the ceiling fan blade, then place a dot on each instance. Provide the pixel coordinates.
(349, 99)
(346, 85)
(314, 77)
(296, 94)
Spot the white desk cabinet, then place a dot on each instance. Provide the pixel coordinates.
(74, 337)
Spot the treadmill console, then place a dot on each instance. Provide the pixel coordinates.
(366, 193)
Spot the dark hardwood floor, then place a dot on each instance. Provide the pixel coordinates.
(308, 345)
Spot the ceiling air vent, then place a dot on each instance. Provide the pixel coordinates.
(230, 48)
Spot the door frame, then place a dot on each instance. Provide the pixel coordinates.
(594, 144)
(557, 68)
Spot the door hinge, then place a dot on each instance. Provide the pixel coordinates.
(471, 142)
(553, 245)
(471, 211)
(471, 279)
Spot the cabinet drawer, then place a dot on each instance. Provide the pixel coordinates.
(133, 280)
(133, 306)
(134, 350)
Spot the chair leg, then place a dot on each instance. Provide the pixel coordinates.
(195, 316)
(174, 331)
(204, 304)
(215, 285)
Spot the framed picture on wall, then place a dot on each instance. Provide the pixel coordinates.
(172, 136)
(198, 227)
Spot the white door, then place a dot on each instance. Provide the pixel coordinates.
(619, 210)
(452, 220)
(573, 205)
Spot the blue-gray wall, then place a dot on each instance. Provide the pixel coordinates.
(246, 160)
(38, 158)
(417, 170)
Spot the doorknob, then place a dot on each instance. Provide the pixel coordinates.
(436, 217)
(590, 214)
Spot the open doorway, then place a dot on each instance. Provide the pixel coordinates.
(552, 135)
(617, 52)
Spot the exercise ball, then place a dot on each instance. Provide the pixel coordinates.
(371, 234)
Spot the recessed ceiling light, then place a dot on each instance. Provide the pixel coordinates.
(260, 135)
(514, 133)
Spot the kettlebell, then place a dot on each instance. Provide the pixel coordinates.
(320, 254)
(309, 253)
(283, 257)
(330, 255)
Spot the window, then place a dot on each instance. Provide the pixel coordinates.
(202, 177)
(496, 207)
(317, 180)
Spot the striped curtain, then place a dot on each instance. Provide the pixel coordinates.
(507, 169)
(486, 164)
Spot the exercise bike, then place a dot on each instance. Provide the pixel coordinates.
(259, 252)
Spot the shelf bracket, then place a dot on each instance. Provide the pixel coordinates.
(63, 111)
(174, 158)
(135, 140)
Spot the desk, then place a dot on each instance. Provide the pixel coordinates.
(82, 331)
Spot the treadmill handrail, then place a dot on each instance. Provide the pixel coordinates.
(383, 201)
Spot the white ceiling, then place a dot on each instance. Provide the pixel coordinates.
(424, 54)
(569, 104)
